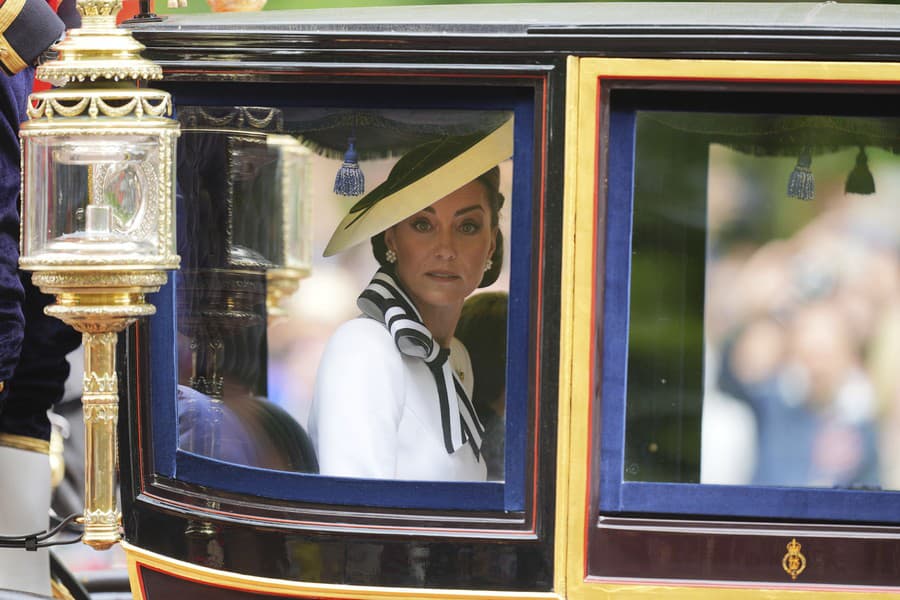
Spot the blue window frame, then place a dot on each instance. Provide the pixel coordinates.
(658, 335)
(510, 495)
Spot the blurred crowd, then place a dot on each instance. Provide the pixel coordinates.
(802, 331)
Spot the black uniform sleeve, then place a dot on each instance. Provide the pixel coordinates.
(40, 376)
(32, 28)
(13, 93)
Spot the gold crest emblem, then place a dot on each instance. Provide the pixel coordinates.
(793, 562)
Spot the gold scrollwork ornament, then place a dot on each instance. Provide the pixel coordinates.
(793, 562)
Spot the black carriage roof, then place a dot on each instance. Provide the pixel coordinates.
(562, 17)
(697, 29)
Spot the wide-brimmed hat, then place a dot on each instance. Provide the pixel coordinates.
(420, 178)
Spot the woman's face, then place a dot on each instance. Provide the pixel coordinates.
(442, 250)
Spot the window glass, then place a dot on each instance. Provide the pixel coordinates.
(258, 304)
(765, 301)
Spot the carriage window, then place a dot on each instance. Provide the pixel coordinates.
(763, 311)
(342, 308)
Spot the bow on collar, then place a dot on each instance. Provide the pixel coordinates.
(384, 301)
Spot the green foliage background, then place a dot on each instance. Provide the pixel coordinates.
(200, 6)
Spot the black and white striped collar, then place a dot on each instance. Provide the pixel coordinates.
(385, 301)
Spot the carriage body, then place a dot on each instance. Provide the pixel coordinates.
(630, 122)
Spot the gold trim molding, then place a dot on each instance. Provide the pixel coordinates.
(137, 557)
(716, 591)
(104, 280)
(801, 71)
(72, 103)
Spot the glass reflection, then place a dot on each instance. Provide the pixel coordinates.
(256, 300)
(794, 315)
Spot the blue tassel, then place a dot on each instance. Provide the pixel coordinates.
(801, 183)
(350, 180)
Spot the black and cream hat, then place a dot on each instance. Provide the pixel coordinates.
(420, 178)
(27, 29)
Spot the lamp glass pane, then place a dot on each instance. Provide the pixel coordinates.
(89, 194)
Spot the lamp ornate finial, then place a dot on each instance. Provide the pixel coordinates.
(98, 50)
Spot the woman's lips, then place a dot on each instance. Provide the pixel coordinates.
(442, 275)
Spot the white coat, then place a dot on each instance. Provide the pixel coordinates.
(376, 414)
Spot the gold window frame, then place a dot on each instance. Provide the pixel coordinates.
(583, 242)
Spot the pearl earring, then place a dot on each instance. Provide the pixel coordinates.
(488, 265)
(390, 256)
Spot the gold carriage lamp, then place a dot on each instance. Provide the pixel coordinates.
(292, 183)
(98, 182)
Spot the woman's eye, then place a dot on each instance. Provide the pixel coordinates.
(421, 225)
(469, 227)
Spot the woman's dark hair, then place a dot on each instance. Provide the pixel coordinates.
(491, 182)
(482, 330)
